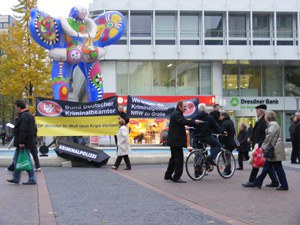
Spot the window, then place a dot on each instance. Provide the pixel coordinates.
(164, 78)
(206, 82)
(261, 25)
(272, 80)
(141, 30)
(284, 26)
(213, 25)
(292, 80)
(165, 25)
(189, 25)
(230, 80)
(250, 80)
(237, 25)
(140, 78)
(122, 78)
(187, 78)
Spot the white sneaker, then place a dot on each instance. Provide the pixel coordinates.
(38, 169)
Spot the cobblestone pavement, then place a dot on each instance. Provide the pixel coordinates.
(90, 196)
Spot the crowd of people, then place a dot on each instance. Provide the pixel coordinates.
(265, 134)
(203, 126)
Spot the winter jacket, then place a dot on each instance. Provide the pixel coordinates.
(177, 134)
(123, 141)
(273, 138)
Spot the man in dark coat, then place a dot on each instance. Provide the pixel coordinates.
(258, 136)
(177, 140)
(297, 134)
(24, 132)
(203, 131)
(295, 151)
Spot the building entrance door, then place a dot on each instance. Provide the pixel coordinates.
(245, 119)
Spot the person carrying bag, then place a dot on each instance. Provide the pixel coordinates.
(23, 161)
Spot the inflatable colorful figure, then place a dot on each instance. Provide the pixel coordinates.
(76, 40)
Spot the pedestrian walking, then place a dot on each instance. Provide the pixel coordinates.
(177, 140)
(24, 139)
(123, 146)
(273, 139)
(228, 127)
(258, 136)
(297, 135)
(34, 151)
(295, 152)
(3, 137)
(123, 116)
(244, 148)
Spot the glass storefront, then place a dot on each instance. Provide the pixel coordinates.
(163, 78)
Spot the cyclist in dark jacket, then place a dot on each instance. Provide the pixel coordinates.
(203, 131)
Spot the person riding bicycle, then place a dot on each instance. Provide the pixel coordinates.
(204, 131)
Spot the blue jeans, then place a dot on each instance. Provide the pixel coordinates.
(215, 145)
(17, 174)
(279, 171)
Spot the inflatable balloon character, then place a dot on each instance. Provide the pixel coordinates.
(76, 40)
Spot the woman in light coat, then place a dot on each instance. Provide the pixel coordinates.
(273, 138)
(123, 146)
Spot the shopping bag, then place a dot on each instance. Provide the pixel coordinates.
(258, 158)
(23, 161)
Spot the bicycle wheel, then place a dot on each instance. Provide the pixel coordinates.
(225, 164)
(195, 168)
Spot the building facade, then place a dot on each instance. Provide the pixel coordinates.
(242, 53)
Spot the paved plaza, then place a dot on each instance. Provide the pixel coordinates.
(90, 196)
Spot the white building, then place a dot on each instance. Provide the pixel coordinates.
(242, 53)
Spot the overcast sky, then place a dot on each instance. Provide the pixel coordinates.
(55, 8)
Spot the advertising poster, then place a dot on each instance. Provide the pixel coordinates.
(65, 118)
(142, 108)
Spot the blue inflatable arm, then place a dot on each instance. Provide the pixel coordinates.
(46, 30)
(110, 27)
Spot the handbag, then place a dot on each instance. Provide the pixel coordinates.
(23, 161)
(270, 150)
(258, 158)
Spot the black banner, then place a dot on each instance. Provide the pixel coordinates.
(56, 108)
(142, 108)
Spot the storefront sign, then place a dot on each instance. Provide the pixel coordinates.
(142, 108)
(249, 103)
(64, 118)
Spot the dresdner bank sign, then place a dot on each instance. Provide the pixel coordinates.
(249, 103)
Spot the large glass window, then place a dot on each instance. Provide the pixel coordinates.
(237, 25)
(141, 28)
(261, 25)
(122, 78)
(187, 78)
(206, 82)
(230, 80)
(250, 80)
(284, 25)
(164, 78)
(213, 25)
(140, 78)
(292, 80)
(272, 80)
(165, 28)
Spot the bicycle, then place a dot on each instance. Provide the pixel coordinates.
(198, 163)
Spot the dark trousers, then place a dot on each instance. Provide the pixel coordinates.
(175, 163)
(277, 166)
(35, 156)
(271, 173)
(295, 153)
(126, 159)
(3, 141)
(241, 156)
